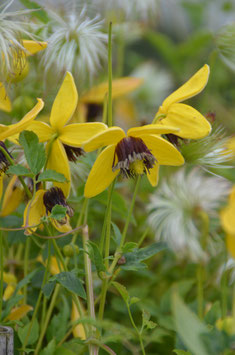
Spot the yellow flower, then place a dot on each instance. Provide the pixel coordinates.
(13, 196)
(41, 205)
(173, 113)
(20, 69)
(228, 222)
(11, 130)
(139, 151)
(63, 140)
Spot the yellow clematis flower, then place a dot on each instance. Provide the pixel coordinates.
(64, 141)
(13, 196)
(16, 128)
(20, 70)
(41, 205)
(139, 151)
(228, 223)
(173, 113)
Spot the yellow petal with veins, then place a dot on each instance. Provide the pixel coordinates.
(191, 88)
(191, 122)
(101, 174)
(65, 103)
(164, 152)
(152, 129)
(33, 47)
(34, 211)
(77, 133)
(120, 87)
(153, 175)
(22, 124)
(110, 136)
(5, 103)
(58, 161)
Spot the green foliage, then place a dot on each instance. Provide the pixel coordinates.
(33, 335)
(58, 212)
(51, 175)
(19, 170)
(70, 282)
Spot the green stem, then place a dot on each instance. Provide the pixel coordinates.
(158, 117)
(26, 266)
(11, 161)
(137, 330)
(144, 235)
(40, 294)
(1, 270)
(110, 119)
(201, 267)
(224, 289)
(120, 53)
(89, 287)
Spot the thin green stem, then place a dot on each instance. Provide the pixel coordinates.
(105, 109)
(1, 271)
(26, 266)
(110, 118)
(120, 53)
(158, 117)
(137, 330)
(11, 161)
(144, 235)
(40, 294)
(224, 289)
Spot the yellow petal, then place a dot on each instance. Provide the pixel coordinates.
(33, 47)
(8, 292)
(42, 130)
(19, 312)
(5, 103)
(164, 152)
(120, 87)
(110, 136)
(101, 174)
(152, 129)
(78, 331)
(77, 133)
(54, 267)
(227, 218)
(22, 124)
(191, 123)
(9, 278)
(62, 227)
(191, 88)
(34, 211)
(65, 102)
(153, 175)
(230, 242)
(58, 161)
(13, 196)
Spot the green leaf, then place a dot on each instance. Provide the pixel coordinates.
(40, 13)
(70, 282)
(96, 257)
(49, 349)
(147, 323)
(33, 335)
(51, 175)
(181, 352)
(135, 258)
(64, 351)
(34, 151)
(134, 300)
(117, 233)
(122, 290)
(189, 327)
(129, 247)
(19, 170)
(48, 288)
(58, 212)
(25, 281)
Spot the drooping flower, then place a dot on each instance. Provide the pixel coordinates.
(75, 43)
(41, 205)
(174, 207)
(138, 152)
(16, 128)
(173, 113)
(62, 137)
(15, 66)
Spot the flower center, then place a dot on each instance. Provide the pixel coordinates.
(73, 153)
(133, 157)
(4, 163)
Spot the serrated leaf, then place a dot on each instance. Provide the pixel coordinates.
(128, 247)
(58, 212)
(19, 170)
(189, 327)
(122, 290)
(135, 258)
(33, 335)
(96, 257)
(51, 175)
(34, 151)
(70, 282)
(49, 349)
